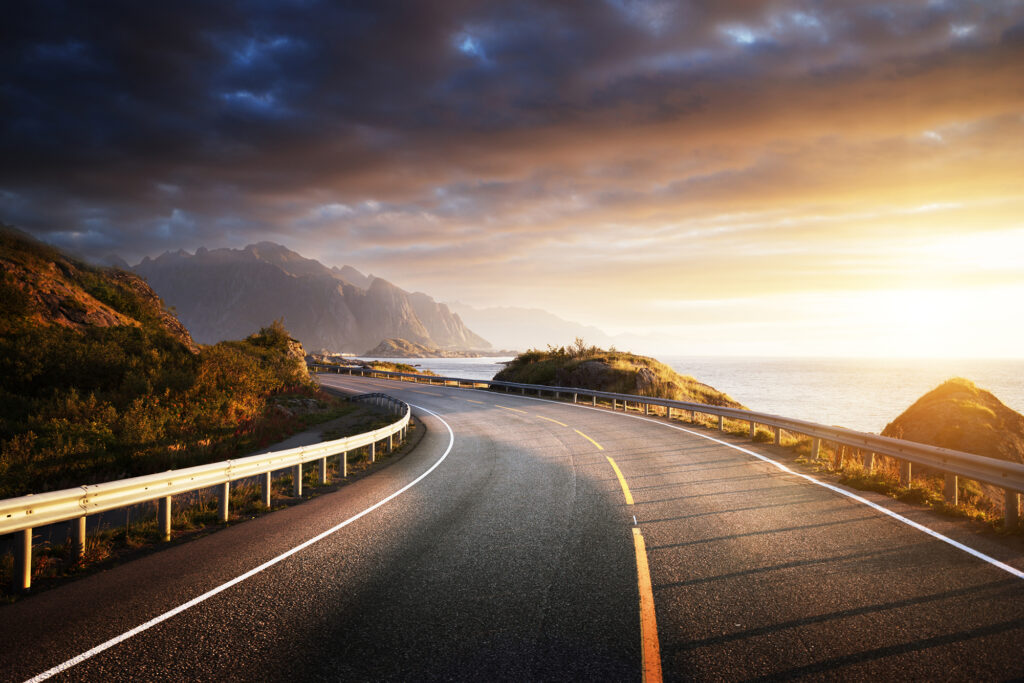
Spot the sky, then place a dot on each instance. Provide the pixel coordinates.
(736, 178)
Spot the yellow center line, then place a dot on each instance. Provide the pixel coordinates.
(478, 402)
(514, 410)
(622, 480)
(426, 393)
(649, 648)
(550, 420)
(599, 446)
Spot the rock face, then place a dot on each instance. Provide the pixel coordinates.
(959, 415)
(52, 289)
(228, 293)
(298, 356)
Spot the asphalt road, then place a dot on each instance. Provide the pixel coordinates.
(513, 556)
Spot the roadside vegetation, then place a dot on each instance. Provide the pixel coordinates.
(98, 381)
(382, 366)
(863, 470)
(399, 367)
(589, 367)
(956, 415)
(195, 514)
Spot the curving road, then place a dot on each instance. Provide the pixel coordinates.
(510, 552)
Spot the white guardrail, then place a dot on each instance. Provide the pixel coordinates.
(23, 514)
(1006, 475)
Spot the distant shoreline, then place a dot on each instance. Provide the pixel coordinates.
(859, 393)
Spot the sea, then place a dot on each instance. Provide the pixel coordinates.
(861, 394)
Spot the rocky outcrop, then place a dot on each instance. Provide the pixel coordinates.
(959, 415)
(297, 355)
(441, 323)
(229, 293)
(56, 290)
(146, 294)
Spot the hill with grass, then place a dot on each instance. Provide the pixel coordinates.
(615, 371)
(98, 380)
(959, 415)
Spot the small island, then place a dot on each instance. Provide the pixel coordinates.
(403, 348)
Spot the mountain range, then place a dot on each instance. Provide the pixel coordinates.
(513, 327)
(229, 293)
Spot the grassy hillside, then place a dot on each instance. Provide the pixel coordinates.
(959, 415)
(614, 371)
(98, 381)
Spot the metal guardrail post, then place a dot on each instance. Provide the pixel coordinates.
(391, 442)
(753, 429)
(1011, 505)
(615, 404)
(343, 461)
(225, 502)
(297, 481)
(373, 452)
(22, 577)
(322, 470)
(78, 537)
(721, 423)
(906, 472)
(778, 435)
(815, 448)
(265, 488)
(951, 490)
(163, 517)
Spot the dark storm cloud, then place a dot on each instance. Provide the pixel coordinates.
(141, 126)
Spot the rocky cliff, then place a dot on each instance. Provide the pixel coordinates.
(43, 287)
(229, 293)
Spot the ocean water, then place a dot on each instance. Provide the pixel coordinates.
(862, 394)
(466, 368)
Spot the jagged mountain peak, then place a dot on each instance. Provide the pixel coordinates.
(229, 293)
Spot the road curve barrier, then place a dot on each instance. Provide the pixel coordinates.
(1006, 475)
(21, 515)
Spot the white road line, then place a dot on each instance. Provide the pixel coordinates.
(885, 511)
(252, 572)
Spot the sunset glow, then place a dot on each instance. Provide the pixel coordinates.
(741, 179)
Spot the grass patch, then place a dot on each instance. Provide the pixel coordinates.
(589, 367)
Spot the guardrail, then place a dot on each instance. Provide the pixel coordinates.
(23, 514)
(1006, 475)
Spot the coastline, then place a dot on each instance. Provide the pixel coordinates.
(859, 393)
